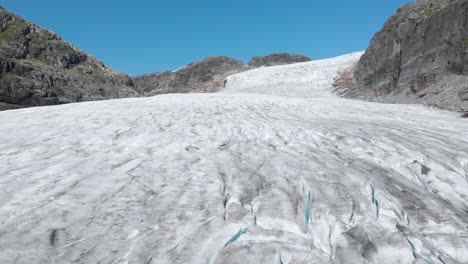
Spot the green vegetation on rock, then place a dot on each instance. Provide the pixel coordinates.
(8, 35)
(465, 43)
(429, 13)
(14, 31)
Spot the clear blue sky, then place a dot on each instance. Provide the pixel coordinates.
(142, 36)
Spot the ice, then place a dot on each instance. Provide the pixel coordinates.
(311, 79)
(180, 68)
(268, 175)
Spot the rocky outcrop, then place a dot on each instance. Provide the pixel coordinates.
(463, 94)
(419, 56)
(277, 59)
(5, 106)
(206, 75)
(38, 68)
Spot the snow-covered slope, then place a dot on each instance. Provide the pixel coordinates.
(308, 79)
(234, 178)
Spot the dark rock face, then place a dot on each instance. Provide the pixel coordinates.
(277, 59)
(422, 46)
(38, 68)
(206, 75)
(5, 106)
(463, 94)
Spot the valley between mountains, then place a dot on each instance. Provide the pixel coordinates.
(273, 169)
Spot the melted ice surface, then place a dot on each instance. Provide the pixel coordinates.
(235, 177)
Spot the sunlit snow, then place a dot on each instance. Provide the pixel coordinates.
(283, 172)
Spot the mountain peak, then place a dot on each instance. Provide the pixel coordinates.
(277, 59)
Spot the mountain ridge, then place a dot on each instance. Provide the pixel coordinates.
(38, 67)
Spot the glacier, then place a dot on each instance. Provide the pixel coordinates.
(274, 169)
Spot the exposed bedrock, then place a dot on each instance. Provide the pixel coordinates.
(420, 55)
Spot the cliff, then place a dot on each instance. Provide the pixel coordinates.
(38, 68)
(419, 56)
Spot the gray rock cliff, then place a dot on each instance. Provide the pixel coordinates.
(38, 68)
(419, 56)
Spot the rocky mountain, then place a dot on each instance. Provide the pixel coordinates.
(419, 56)
(38, 68)
(277, 59)
(206, 75)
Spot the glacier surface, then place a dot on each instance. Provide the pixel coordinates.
(273, 170)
